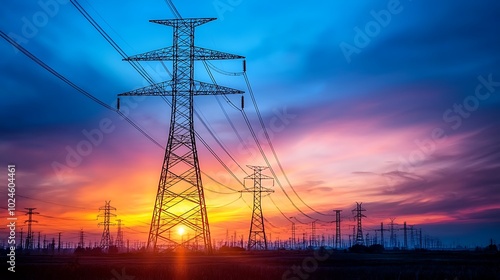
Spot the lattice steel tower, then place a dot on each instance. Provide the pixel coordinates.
(106, 240)
(257, 236)
(180, 201)
(29, 238)
(119, 234)
(358, 216)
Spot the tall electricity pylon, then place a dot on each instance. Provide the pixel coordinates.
(106, 240)
(358, 216)
(257, 236)
(29, 238)
(180, 201)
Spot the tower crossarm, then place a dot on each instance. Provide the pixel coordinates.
(165, 89)
(183, 22)
(168, 54)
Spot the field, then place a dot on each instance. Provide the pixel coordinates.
(263, 265)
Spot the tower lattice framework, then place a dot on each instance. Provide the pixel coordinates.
(29, 238)
(257, 236)
(119, 235)
(359, 216)
(106, 240)
(180, 202)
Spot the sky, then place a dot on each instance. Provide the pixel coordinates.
(391, 103)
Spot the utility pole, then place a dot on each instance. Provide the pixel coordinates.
(382, 241)
(180, 199)
(313, 234)
(39, 241)
(106, 241)
(338, 236)
(420, 239)
(405, 244)
(257, 235)
(22, 239)
(29, 239)
(358, 216)
(59, 242)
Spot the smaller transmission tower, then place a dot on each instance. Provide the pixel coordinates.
(338, 236)
(106, 237)
(293, 234)
(393, 239)
(81, 243)
(29, 239)
(358, 216)
(257, 237)
(119, 235)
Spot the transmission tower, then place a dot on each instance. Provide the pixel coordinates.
(358, 216)
(257, 235)
(338, 236)
(293, 234)
(81, 242)
(313, 234)
(106, 240)
(393, 239)
(119, 235)
(180, 201)
(29, 238)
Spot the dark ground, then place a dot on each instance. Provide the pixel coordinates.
(293, 265)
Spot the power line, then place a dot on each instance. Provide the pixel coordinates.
(265, 133)
(138, 67)
(254, 136)
(272, 146)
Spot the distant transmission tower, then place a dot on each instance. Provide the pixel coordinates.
(29, 238)
(338, 236)
(106, 240)
(313, 233)
(393, 240)
(358, 216)
(180, 201)
(119, 234)
(257, 236)
(81, 243)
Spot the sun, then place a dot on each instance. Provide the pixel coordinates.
(181, 231)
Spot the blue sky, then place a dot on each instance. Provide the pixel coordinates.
(355, 121)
